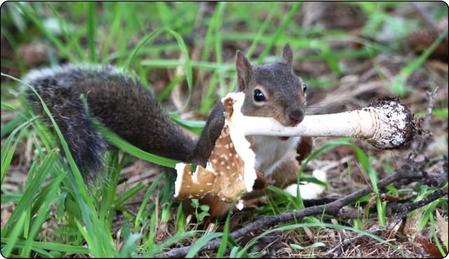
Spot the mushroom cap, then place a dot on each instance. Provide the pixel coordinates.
(230, 171)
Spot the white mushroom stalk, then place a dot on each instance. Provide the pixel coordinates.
(386, 124)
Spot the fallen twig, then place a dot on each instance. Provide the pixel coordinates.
(402, 210)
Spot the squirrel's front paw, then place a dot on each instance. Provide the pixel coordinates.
(262, 181)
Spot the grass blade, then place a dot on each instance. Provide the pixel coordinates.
(202, 242)
(12, 124)
(91, 29)
(224, 240)
(42, 214)
(184, 53)
(122, 144)
(398, 82)
(146, 198)
(27, 198)
(10, 145)
(129, 246)
(36, 245)
(127, 195)
(13, 237)
(280, 30)
(30, 13)
(170, 241)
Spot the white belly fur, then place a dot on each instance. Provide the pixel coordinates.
(271, 151)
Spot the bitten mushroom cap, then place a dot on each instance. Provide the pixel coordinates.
(230, 171)
(233, 105)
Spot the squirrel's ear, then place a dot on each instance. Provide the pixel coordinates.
(287, 54)
(244, 69)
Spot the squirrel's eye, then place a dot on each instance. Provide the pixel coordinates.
(304, 88)
(259, 96)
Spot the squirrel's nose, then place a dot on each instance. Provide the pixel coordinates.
(296, 116)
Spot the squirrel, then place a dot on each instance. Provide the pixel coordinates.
(119, 100)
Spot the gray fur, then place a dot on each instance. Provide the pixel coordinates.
(118, 100)
(284, 90)
(285, 101)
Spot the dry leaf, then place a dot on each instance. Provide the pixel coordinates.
(411, 224)
(429, 247)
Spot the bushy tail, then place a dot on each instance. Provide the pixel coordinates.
(63, 100)
(123, 105)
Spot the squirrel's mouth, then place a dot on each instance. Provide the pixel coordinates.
(288, 124)
(284, 138)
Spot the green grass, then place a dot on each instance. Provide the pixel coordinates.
(398, 83)
(151, 39)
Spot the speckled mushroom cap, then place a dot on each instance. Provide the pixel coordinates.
(230, 171)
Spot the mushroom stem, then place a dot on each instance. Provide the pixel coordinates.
(355, 123)
(386, 124)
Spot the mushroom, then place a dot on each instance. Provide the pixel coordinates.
(230, 170)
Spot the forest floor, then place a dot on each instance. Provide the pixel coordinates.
(349, 54)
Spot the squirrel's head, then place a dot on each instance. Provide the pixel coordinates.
(272, 90)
